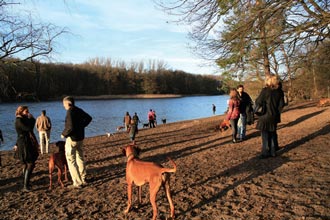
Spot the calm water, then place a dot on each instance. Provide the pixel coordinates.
(108, 114)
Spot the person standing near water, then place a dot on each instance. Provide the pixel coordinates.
(214, 108)
(1, 141)
(76, 120)
(44, 125)
(26, 143)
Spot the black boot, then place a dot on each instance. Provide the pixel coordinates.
(27, 175)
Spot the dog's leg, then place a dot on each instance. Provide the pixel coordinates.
(168, 192)
(140, 194)
(59, 176)
(50, 179)
(51, 169)
(154, 188)
(65, 173)
(129, 197)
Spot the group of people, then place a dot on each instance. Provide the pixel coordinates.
(152, 118)
(27, 150)
(240, 112)
(131, 125)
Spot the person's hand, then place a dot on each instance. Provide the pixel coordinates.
(15, 148)
(62, 136)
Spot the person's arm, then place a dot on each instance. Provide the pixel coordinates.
(25, 124)
(230, 109)
(68, 124)
(86, 118)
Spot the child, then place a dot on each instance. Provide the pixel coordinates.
(132, 131)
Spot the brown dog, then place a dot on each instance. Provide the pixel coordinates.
(58, 160)
(324, 102)
(140, 172)
(224, 125)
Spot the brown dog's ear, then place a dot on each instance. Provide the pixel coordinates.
(123, 150)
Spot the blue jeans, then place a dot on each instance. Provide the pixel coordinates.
(241, 126)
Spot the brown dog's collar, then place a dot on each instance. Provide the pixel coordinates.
(130, 155)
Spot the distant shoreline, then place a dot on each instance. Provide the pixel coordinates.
(137, 96)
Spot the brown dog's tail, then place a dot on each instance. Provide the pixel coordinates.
(170, 170)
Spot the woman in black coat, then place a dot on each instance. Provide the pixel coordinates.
(272, 100)
(27, 150)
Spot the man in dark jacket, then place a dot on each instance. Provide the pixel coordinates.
(245, 108)
(75, 122)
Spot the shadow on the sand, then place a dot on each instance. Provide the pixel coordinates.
(301, 119)
(257, 167)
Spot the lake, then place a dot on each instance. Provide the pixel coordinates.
(108, 114)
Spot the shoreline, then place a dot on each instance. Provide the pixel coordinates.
(215, 117)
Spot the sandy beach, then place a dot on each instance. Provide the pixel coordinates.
(215, 178)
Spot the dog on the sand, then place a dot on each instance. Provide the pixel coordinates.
(58, 160)
(140, 172)
(145, 125)
(224, 125)
(164, 120)
(323, 102)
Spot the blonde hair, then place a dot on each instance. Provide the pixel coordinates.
(272, 81)
(233, 93)
(69, 100)
(20, 109)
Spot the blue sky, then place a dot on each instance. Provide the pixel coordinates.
(122, 30)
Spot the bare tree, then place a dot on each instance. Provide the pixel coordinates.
(248, 32)
(23, 39)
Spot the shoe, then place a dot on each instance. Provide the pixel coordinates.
(26, 189)
(74, 187)
(263, 156)
(234, 140)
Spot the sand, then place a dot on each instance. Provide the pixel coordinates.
(215, 179)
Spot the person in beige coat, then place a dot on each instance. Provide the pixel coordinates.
(44, 126)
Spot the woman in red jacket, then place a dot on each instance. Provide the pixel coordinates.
(233, 112)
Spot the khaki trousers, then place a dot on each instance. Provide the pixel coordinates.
(75, 158)
(44, 141)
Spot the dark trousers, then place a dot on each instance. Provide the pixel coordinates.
(151, 123)
(233, 123)
(269, 139)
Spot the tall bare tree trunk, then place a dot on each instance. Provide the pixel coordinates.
(263, 40)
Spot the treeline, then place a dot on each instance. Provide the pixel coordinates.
(40, 81)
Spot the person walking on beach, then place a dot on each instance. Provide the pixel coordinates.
(155, 117)
(214, 108)
(151, 119)
(245, 108)
(233, 112)
(136, 120)
(26, 143)
(272, 99)
(1, 141)
(76, 120)
(127, 120)
(132, 131)
(44, 126)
